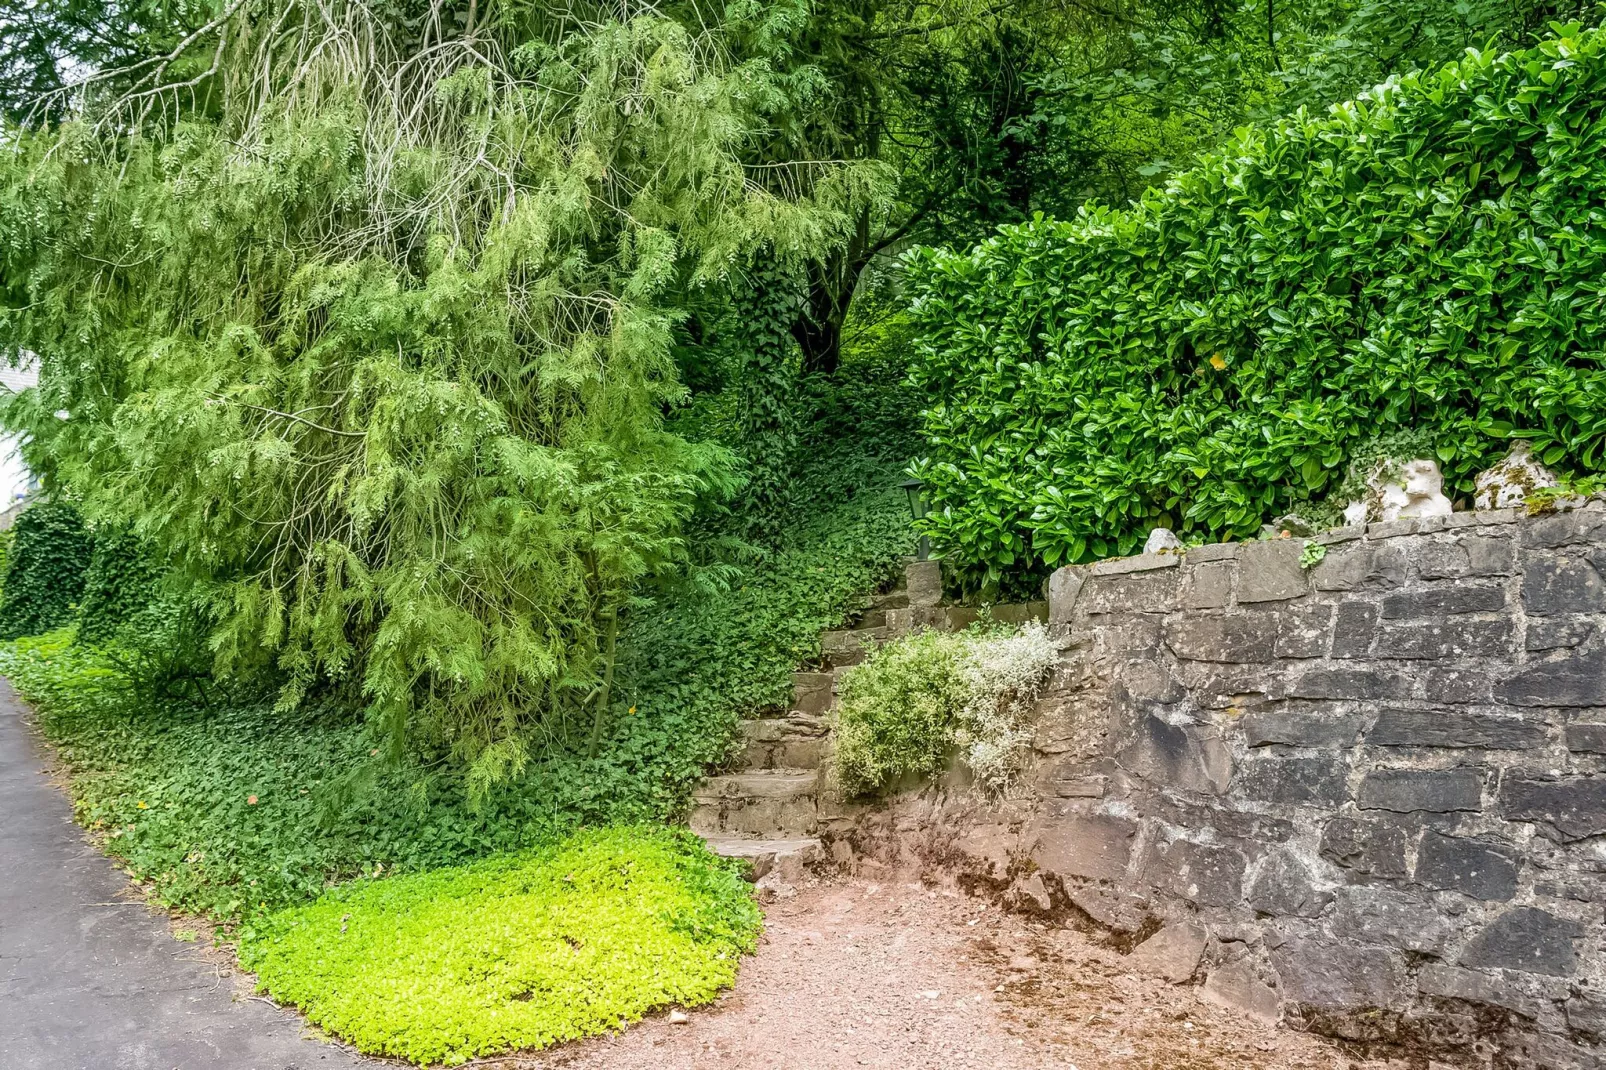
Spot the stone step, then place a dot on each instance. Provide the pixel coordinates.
(765, 803)
(871, 618)
(796, 741)
(793, 725)
(812, 692)
(898, 599)
(787, 753)
(788, 859)
(850, 646)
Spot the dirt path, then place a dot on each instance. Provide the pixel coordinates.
(863, 974)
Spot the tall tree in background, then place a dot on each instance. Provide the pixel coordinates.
(376, 348)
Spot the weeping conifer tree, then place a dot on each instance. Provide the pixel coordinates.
(362, 320)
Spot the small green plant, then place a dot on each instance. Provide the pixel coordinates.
(907, 708)
(1312, 554)
(522, 951)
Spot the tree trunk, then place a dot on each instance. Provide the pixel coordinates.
(821, 342)
(818, 329)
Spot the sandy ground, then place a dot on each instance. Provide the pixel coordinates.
(891, 974)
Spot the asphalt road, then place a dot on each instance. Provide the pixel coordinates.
(92, 981)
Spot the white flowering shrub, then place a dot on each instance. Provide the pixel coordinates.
(915, 702)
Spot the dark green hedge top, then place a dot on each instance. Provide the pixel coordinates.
(1429, 256)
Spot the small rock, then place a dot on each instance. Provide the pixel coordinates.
(678, 1016)
(1173, 952)
(1033, 890)
(1161, 540)
(1509, 483)
(931, 993)
(1295, 525)
(1355, 514)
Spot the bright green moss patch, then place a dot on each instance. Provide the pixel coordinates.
(518, 951)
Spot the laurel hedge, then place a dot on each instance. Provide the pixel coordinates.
(1430, 256)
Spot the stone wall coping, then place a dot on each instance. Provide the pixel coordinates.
(1116, 566)
(1227, 551)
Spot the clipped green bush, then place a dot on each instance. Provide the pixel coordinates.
(119, 583)
(915, 702)
(50, 552)
(521, 951)
(1428, 256)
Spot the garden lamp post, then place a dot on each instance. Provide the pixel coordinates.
(913, 488)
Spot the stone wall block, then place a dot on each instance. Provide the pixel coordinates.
(1343, 570)
(1321, 971)
(1566, 529)
(1472, 867)
(1351, 683)
(1236, 638)
(1442, 600)
(1390, 565)
(1454, 557)
(1558, 633)
(1302, 631)
(1207, 874)
(1329, 726)
(1586, 738)
(1572, 679)
(1438, 791)
(1526, 939)
(1270, 571)
(1448, 639)
(1188, 758)
(1287, 886)
(1552, 585)
(1373, 914)
(1456, 685)
(1566, 808)
(1208, 585)
(1236, 987)
(1095, 846)
(1440, 728)
(1064, 588)
(1294, 781)
(1354, 629)
(1371, 848)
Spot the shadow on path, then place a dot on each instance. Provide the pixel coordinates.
(91, 980)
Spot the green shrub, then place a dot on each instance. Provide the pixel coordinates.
(523, 951)
(1426, 257)
(45, 567)
(906, 709)
(120, 582)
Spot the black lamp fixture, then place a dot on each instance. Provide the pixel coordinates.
(913, 488)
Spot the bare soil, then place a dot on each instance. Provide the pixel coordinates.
(897, 975)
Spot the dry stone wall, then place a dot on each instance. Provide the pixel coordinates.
(1368, 796)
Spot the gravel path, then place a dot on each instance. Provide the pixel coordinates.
(92, 980)
(893, 975)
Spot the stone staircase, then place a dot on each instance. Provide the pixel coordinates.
(771, 808)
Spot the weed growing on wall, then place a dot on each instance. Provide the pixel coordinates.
(522, 951)
(918, 701)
